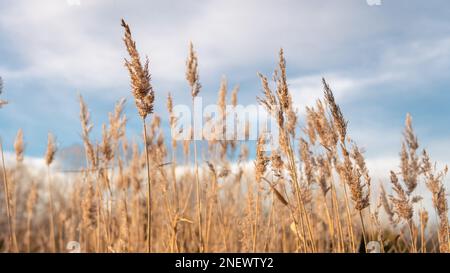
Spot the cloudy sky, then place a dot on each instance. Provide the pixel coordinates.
(382, 62)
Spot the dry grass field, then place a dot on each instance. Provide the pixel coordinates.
(312, 192)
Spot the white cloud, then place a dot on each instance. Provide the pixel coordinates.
(82, 45)
(402, 64)
(56, 43)
(36, 165)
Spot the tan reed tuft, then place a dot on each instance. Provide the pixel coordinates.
(140, 76)
(192, 76)
(434, 183)
(19, 146)
(131, 198)
(51, 149)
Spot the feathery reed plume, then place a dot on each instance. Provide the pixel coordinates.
(49, 157)
(144, 98)
(403, 206)
(89, 208)
(277, 163)
(279, 105)
(360, 190)
(345, 169)
(173, 124)
(51, 149)
(400, 202)
(105, 146)
(261, 159)
(387, 206)
(234, 96)
(234, 102)
(311, 121)
(222, 104)
(172, 120)
(86, 127)
(410, 170)
(192, 76)
(116, 132)
(220, 133)
(140, 76)
(117, 123)
(340, 123)
(222, 96)
(170, 108)
(269, 101)
(436, 187)
(409, 160)
(324, 174)
(282, 86)
(308, 160)
(284, 95)
(320, 128)
(19, 146)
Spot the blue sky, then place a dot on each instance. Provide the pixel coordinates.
(382, 62)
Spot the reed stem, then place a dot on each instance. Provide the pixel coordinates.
(12, 239)
(149, 191)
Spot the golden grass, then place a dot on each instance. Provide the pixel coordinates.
(311, 193)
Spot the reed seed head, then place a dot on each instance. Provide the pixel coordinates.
(192, 75)
(387, 206)
(410, 165)
(261, 159)
(19, 146)
(234, 94)
(401, 204)
(338, 118)
(51, 149)
(140, 76)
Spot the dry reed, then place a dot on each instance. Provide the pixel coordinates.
(310, 192)
(144, 97)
